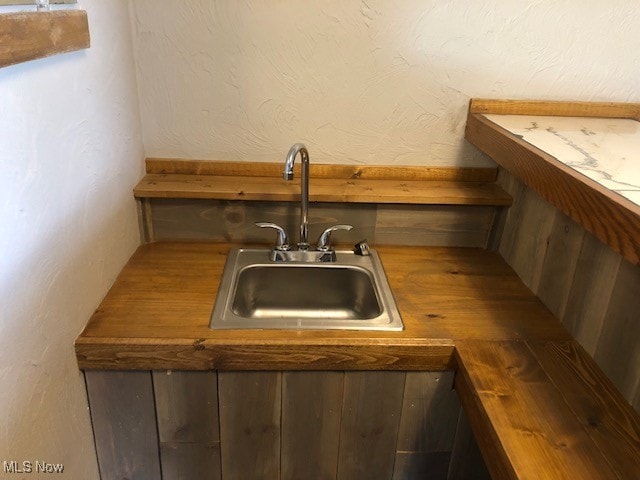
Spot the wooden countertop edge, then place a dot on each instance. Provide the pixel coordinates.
(277, 354)
(613, 219)
(605, 430)
(495, 457)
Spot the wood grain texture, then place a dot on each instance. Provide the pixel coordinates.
(618, 351)
(466, 460)
(604, 413)
(561, 257)
(124, 424)
(156, 315)
(433, 225)
(421, 465)
(345, 172)
(612, 218)
(593, 280)
(526, 416)
(430, 412)
(186, 461)
(30, 35)
(234, 221)
(250, 408)
(147, 221)
(577, 283)
(370, 420)
(311, 415)
(556, 109)
(187, 418)
(524, 238)
(155, 185)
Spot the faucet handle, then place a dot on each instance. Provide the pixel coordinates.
(324, 242)
(282, 243)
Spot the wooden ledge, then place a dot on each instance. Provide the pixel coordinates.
(331, 183)
(319, 170)
(613, 219)
(29, 35)
(320, 190)
(556, 109)
(546, 410)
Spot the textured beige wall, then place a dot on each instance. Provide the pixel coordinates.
(373, 81)
(70, 154)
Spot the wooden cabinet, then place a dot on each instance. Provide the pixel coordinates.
(280, 425)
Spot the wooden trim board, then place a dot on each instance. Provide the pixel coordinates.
(345, 172)
(27, 36)
(556, 109)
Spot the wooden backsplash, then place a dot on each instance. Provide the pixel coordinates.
(589, 287)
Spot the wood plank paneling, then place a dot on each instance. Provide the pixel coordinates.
(421, 465)
(577, 283)
(27, 36)
(316, 170)
(466, 460)
(593, 280)
(188, 461)
(433, 225)
(618, 351)
(187, 416)
(311, 414)
(227, 221)
(430, 411)
(420, 192)
(560, 259)
(250, 408)
(370, 420)
(525, 237)
(124, 424)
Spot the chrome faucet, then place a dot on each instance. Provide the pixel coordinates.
(303, 244)
(282, 251)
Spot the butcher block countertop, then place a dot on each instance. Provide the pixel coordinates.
(538, 404)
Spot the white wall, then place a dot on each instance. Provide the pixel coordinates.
(377, 81)
(70, 154)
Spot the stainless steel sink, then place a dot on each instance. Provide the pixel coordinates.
(350, 293)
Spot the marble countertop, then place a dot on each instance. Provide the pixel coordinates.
(606, 150)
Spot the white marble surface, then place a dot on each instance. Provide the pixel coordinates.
(606, 150)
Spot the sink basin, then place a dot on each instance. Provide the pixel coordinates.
(350, 293)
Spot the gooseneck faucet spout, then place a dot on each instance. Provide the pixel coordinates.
(304, 189)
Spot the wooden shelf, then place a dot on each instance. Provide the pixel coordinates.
(612, 218)
(30, 35)
(384, 185)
